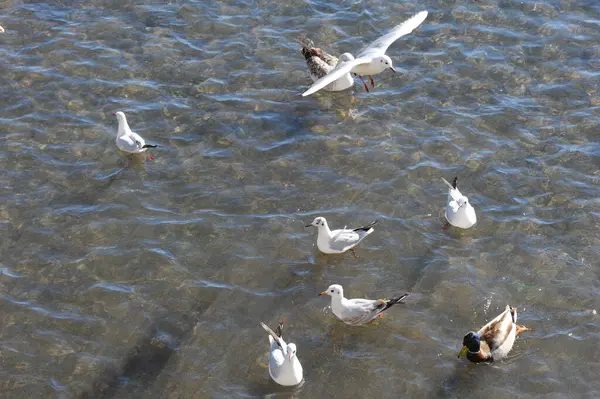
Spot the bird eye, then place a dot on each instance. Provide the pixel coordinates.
(331, 290)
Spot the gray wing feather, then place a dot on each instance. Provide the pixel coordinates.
(339, 71)
(379, 46)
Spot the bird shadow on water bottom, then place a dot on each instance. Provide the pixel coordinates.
(145, 361)
(269, 389)
(471, 380)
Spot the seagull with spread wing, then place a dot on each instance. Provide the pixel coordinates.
(372, 60)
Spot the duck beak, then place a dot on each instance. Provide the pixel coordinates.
(463, 351)
(323, 293)
(393, 70)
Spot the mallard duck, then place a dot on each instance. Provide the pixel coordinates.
(494, 340)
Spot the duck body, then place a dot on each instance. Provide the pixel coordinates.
(493, 341)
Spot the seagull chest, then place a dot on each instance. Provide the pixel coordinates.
(371, 68)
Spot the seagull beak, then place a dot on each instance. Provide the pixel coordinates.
(393, 70)
(323, 293)
(308, 225)
(114, 113)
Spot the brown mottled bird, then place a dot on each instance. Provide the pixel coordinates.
(320, 64)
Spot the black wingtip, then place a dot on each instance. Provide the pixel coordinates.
(399, 298)
(455, 182)
(149, 146)
(367, 227)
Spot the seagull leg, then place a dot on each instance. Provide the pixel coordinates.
(149, 157)
(372, 81)
(446, 226)
(380, 316)
(520, 329)
(364, 84)
(353, 253)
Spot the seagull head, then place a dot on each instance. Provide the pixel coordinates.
(462, 201)
(291, 351)
(120, 116)
(319, 222)
(385, 62)
(334, 291)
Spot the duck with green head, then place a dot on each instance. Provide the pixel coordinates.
(494, 340)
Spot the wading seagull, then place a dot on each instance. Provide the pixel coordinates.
(341, 240)
(494, 340)
(372, 60)
(459, 212)
(284, 367)
(356, 312)
(320, 64)
(128, 141)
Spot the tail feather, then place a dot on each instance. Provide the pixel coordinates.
(367, 227)
(272, 333)
(394, 301)
(454, 183)
(149, 146)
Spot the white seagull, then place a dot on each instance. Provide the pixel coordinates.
(372, 60)
(341, 240)
(128, 141)
(459, 212)
(284, 367)
(357, 312)
(320, 64)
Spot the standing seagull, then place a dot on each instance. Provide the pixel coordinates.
(494, 340)
(320, 64)
(341, 240)
(459, 212)
(128, 141)
(284, 367)
(372, 60)
(357, 312)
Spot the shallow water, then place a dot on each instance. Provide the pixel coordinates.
(124, 278)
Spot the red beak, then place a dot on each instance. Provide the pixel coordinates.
(114, 113)
(393, 70)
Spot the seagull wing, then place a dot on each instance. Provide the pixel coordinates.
(280, 342)
(139, 141)
(344, 240)
(361, 311)
(379, 46)
(335, 74)
(454, 206)
(454, 193)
